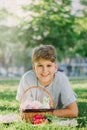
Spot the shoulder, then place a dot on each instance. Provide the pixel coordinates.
(29, 75)
(61, 78)
(61, 75)
(28, 79)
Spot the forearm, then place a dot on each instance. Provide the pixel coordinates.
(70, 111)
(64, 113)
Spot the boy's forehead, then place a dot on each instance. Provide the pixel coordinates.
(43, 61)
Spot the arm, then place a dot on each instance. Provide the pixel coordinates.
(71, 111)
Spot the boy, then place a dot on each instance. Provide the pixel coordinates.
(45, 74)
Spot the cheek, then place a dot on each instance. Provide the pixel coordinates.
(37, 70)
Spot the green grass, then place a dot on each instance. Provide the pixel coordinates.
(8, 104)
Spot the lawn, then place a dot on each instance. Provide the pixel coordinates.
(8, 105)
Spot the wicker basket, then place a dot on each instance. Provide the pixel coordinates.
(28, 114)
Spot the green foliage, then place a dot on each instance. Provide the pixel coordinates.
(81, 46)
(48, 22)
(3, 13)
(51, 23)
(84, 2)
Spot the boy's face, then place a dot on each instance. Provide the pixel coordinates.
(45, 70)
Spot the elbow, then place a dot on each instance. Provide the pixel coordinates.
(75, 114)
(74, 110)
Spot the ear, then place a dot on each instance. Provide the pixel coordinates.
(56, 67)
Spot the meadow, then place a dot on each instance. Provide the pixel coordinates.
(8, 105)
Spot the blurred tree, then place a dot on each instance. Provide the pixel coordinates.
(81, 46)
(45, 22)
(11, 49)
(51, 23)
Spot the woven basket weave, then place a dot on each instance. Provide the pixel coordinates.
(28, 114)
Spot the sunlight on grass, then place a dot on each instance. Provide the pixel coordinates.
(8, 104)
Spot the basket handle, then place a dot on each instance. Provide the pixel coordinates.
(45, 90)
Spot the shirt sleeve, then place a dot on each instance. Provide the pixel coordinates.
(27, 80)
(67, 94)
(22, 86)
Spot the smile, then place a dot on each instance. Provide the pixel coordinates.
(44, 75)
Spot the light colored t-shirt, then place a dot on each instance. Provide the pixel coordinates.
(60, 89)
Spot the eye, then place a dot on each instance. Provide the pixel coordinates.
(49, 65)
(39, 65)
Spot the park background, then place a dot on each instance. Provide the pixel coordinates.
(26, 24)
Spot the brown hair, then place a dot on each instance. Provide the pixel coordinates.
(44, 51)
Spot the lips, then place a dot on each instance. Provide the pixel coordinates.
(44, 75)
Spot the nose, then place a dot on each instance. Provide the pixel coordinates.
(44, 69)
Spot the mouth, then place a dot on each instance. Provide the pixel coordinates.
(44, 75)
